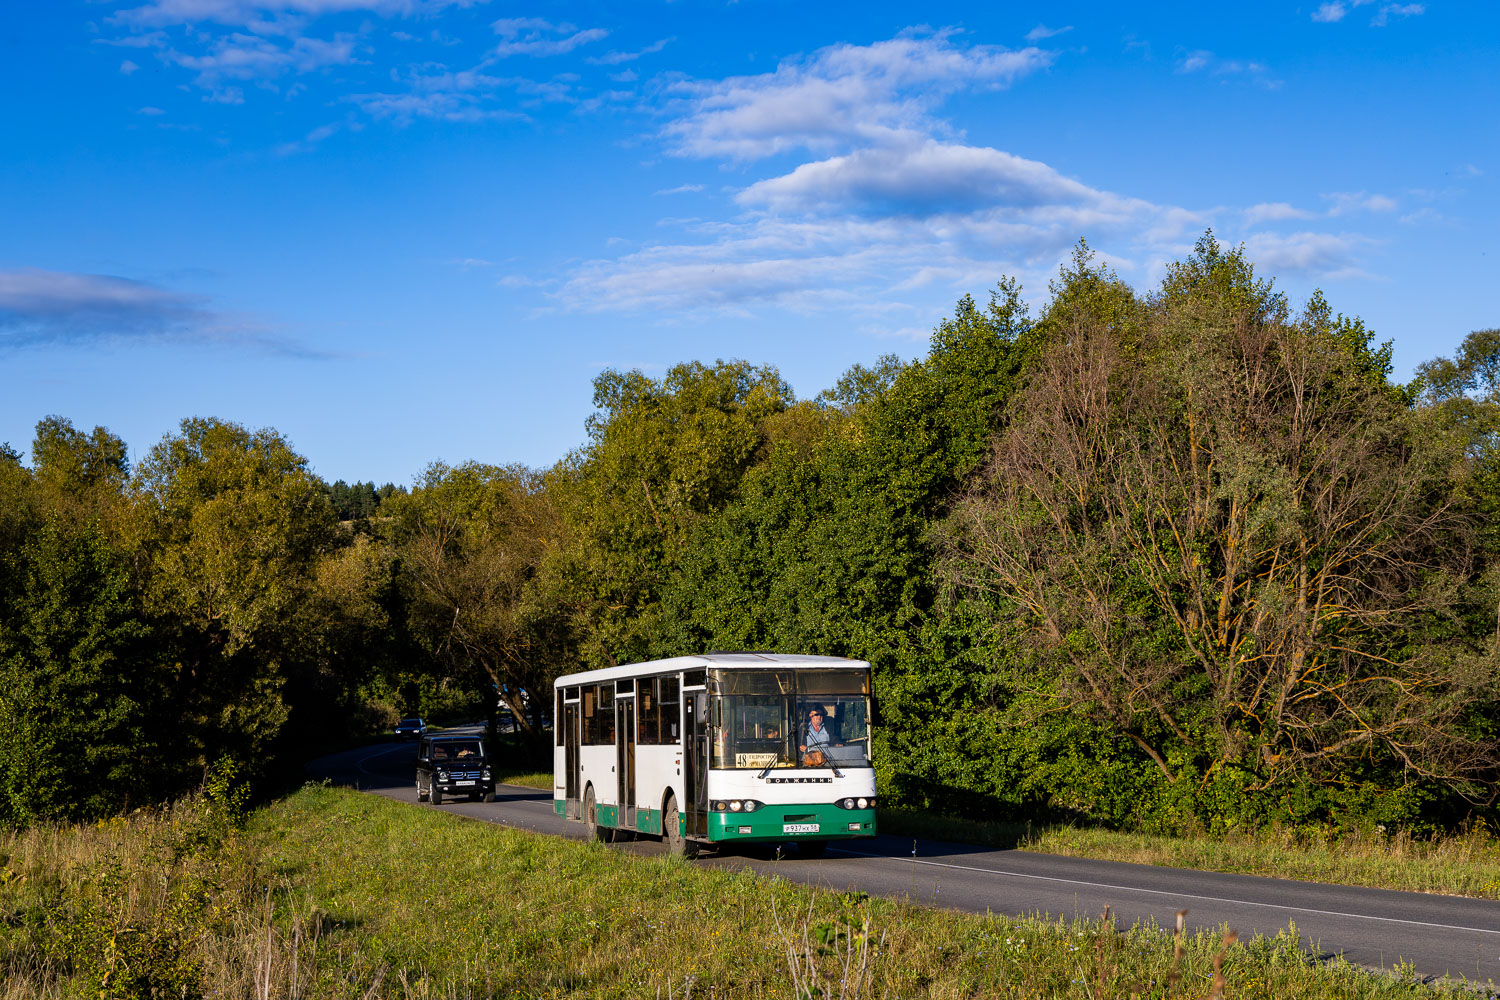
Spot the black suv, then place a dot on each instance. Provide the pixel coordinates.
(453, 765)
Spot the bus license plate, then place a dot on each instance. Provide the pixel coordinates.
(799, 828)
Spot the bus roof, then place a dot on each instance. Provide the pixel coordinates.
(732, 661)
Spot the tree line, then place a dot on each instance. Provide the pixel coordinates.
(1182, 559)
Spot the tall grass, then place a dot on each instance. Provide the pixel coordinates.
(334, 894)
(1466, 863)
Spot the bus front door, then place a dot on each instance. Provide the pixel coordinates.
(572, 722)
(625, 759)
(695, 707)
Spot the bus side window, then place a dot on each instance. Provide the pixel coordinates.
(590, 715)
(670, 712)
(648, 712)
(607, 714)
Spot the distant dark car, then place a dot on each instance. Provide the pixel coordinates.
(453, 765)
(410, 729)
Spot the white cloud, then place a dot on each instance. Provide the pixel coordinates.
(1194, 61)
(239, 56)
(1201, 60)
(1278, 211)
(615, 58)
(440, 105)
(683, 189)
(150, 111)
(1335, 10)
(309, 141)
(1324, 255)
(244, 13)
(1469, 170)
(929, 178)
(534, 36)
(841, 96)
(1383, 16)
(1346, 202)
(1041, 31)
(128, 67)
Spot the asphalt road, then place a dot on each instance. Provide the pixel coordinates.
(1438, 935)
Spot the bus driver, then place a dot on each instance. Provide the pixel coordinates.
(815, 738)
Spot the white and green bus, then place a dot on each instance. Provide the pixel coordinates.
(719, 748)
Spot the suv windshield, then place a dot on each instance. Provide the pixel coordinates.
(457, 750)
(765, 718)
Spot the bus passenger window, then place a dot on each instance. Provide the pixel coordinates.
(671, 700)
(648, 712)
(606, 714)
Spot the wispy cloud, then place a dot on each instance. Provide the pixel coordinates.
(1192, 62)
(1332, 256)
(1204, 61)
(1346, 202)
(1041, 32)
(534, 36)
(615, 58)
(128, 67)
(249, 57)
(260, 13)
(1396, 10)
(310, 141)
(40, 307)
(683, 189)
(1277, 211)
(1335, 11)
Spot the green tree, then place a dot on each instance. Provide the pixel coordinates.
(81, 687)
(1233, 545)
(230, 528)
(472, 539)
(662, 457)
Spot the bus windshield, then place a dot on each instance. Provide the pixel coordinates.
(790, 718)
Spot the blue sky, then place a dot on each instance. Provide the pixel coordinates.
(408, 230)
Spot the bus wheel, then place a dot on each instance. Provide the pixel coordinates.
(671, 832)
(812, 848)
(591, 819)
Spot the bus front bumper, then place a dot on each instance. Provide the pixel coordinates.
(796, 822)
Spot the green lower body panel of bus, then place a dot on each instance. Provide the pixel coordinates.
(781, 823)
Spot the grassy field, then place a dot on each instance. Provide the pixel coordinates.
(330, 893)
(1461, 865)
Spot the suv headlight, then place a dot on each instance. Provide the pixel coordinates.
(442, 775)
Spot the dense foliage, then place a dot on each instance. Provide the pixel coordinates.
(1168, 560)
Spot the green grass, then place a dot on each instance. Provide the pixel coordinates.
(526, 779)
(1466, 864)
(330, 893)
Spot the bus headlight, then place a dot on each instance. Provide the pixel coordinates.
(736, 805)
(862, 803)
(751, 805)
